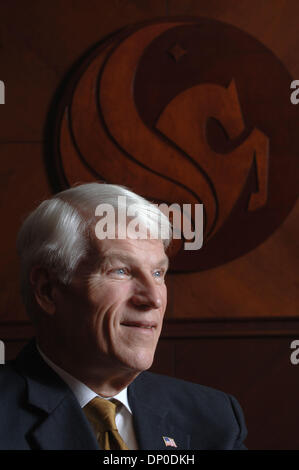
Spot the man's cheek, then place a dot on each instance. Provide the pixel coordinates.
(107, 321)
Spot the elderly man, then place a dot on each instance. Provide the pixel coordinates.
(97, 304)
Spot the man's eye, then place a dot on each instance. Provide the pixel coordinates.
(121, 271)
(159, 273)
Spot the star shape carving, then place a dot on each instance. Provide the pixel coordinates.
(177, 51)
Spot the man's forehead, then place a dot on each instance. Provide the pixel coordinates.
(151, 251)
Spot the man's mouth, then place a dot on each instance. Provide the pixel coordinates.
(145, 325)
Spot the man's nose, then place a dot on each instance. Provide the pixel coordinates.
(147, 296)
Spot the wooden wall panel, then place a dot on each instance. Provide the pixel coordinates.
(264, 281)
(23, 185)
(40, 41)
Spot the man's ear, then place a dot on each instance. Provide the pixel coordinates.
(43, 285)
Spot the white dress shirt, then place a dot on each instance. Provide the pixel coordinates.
(123, 418)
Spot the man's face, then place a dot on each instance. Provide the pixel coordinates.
(113, 313)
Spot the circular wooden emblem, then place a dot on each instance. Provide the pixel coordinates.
(186, 111)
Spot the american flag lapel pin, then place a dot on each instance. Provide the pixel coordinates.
(169, 442)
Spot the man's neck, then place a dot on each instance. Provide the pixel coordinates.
(104, 381)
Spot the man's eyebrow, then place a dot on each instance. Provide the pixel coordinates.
(116, 255)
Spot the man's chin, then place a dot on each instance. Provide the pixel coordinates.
(139, 362)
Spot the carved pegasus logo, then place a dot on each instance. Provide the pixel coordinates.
(138, 113)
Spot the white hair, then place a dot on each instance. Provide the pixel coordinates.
(59, 233)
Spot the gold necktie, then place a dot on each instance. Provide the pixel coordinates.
(101, 415)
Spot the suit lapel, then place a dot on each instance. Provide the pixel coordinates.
(61, 422)
(151, 428)
(65, 428)
(151, 425)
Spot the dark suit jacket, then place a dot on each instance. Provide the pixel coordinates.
(39, 411)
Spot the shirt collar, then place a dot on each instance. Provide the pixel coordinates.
(83, 393)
